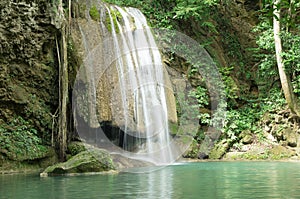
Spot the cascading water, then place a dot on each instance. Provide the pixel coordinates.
(123, 99)
(141, 79)
(124, 87)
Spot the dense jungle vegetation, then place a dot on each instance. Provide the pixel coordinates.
(255, 44)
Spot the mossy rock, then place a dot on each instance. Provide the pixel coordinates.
(35, 153)
(93, 160)
(76, 147)
(280, 152)
(276, 152)
(248, 139)
(290, 137)
(94, 13)
(219, 150)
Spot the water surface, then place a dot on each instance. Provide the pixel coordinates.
(191, 180)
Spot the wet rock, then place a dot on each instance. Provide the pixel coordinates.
(202, 156)
(290, 137)
(76, 147)
(246, 137)
(93, 160)
(122, 162)
(279, 152)
(219, 150)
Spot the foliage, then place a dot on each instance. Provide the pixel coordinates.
(159, 12)
(163, 14)
(194, 150)
(231, 88)
(265, 53)
(19, 140)
(94, 13)
(38, 110)
(247, 117)
(111, 21)
(291, 58)
(186, 108)
(201, 96)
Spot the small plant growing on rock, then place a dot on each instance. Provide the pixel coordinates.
(94, 13)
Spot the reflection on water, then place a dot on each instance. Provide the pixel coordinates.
(192, 180)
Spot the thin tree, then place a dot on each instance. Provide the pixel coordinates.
(290, 97)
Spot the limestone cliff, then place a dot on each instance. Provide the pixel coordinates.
(98, 95)
(28, 80)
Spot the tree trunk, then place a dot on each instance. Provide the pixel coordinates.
(284, 78)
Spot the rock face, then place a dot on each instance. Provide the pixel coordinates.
(93, 160)
(98, 92)
(27, 78)
(27, 72)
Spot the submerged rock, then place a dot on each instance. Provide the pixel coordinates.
(122, 162)
(93, 160)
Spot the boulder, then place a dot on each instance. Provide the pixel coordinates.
(290, 136)
(122, 162)
(93, 160)
(219, 150)
(246, 137)
(76, 147)
(202, 156)
(280, 152)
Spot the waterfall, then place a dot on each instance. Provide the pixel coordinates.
(141, 79)
(123, 87)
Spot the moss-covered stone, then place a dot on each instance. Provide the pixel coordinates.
(8, 166)
(274, 152)
(290, 137)
(93, 160)
(76, 147)
(246, 137)
(94, 13)
(219, 150)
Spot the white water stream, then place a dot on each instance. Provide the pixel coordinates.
(141, 79)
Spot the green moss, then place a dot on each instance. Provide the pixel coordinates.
(74, 61)
(82, 10)
(219, 150)
(173, 128)
(107, 23)
(76, 147)
(277, 152)
(94, 13)
(193, 150)
(116, 16)
(96, 160)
